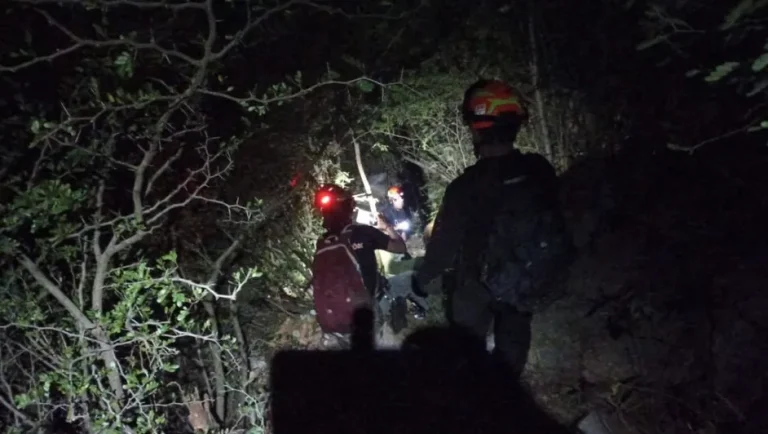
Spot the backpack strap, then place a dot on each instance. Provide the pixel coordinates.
(344, 237)
(492, 196)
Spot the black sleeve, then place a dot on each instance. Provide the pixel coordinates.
(544, 172)
(447, 234)
(377, 239)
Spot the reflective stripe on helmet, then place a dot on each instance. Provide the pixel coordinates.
(492, 100)
(394, 192)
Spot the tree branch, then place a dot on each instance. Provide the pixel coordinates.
(297, 94)
(54, 290)
(108, 352)
(10, 407)
(136, 4)
(80, 42)
(242, 33)
(691, 149)
(162, 170)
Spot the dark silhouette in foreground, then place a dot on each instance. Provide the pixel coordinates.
(442, 381)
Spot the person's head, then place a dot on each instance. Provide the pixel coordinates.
(494, 114)
(395, 196)
(336, 206)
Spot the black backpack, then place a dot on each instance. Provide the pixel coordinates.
(523, 246)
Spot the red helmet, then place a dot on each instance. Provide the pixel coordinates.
(492, 102)
(330, 197)
(394, 191)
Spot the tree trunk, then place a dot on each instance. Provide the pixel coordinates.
(546, 142)
(361, 169)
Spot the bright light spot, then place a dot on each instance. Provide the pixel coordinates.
(402, 226)
(325, 200)
(365, 218)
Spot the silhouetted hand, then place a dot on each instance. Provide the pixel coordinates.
(382, 222)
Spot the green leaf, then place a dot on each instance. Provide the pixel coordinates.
(760, 63)
(353, 62)
(736, 13)
(762, 126)
(758, 87)
(124, 65)
(170, 256)
(332, 75)
(365, 86)
(721, 72)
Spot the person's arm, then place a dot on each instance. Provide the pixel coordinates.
(446, 237)
(545, 174)
(395, 243)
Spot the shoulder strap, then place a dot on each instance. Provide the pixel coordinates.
(345, 234)
(493, 196)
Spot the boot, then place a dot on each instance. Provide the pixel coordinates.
(419, 312)
(398, 314)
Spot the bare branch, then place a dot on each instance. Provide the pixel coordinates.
(138, 182)
(208, 46)
(133, 239)
(165, 205)
(134, 3)
(211, 290)
(97, 231)
(338, 11)
(218, 265)
(37, 166)
(80, 42)
(691, 149)
(52, 288)
(240, 35)
(162, 170)
(161, 123)
(297, 94)
(95, 154)
(100, 275)
(10, 407)
(81, 284)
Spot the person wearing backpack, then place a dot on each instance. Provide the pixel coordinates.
(499, 240)
(345, 274)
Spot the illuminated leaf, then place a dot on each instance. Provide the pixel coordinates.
(736, 13)
(721, 72)
(760, 63)
(124, 65)
(758, 87)
(365, 85)
(353, 62)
